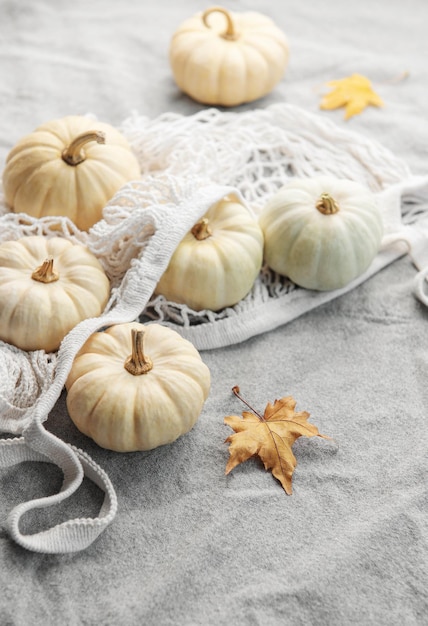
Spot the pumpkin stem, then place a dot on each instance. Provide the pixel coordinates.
(327, 205)
(201, 229)
(74, 153)
(138, 363)
(45, 273)
(230, 32)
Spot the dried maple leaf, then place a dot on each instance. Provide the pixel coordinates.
(354, 93)
(269, 436)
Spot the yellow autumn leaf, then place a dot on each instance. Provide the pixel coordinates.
(269, 436)
(354, 93)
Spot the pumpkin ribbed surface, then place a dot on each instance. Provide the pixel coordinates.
(219, 270)
(125, 412)
(37, 180)
(36, 315)
(217, 69)
(322, 247)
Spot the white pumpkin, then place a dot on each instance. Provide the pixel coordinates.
(321, 232)
(217, 262)
(47, 286)
(223, 58)
(69, 167)
(135, 387)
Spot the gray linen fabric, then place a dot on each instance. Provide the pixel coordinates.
(190, 546)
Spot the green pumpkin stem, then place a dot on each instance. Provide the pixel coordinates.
(74, 154)
(327, 205)
(138, 363)
(201, 229)
(45, 273)
(230, 32)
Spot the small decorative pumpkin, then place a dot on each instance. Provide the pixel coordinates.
(136, 387)
(223, 58)
(321, 232)
(69, 167)
(216, 263)
(47, 286)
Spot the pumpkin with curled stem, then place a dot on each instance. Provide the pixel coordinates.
(68, 167)
(217, 262)
(321, 232)
(47, 286)
(136, 387)
(224, 58)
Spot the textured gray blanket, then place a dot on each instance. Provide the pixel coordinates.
(190, 546)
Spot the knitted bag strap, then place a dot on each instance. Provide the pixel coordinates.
(72, 535)
(414, 235)
(420, 286)
(170, 224)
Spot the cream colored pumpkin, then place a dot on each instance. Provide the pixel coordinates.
(223, 58)
(321, 232)
(136, 387)
(69, 167)
(216, 263)
(47, 286)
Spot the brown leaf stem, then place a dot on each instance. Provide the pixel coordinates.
(396, 79)
(236, 391)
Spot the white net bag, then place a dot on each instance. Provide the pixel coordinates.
(188, 164)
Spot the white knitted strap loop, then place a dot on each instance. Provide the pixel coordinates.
(72, 535)
(420, 286)
(413, 238)
(16, 451)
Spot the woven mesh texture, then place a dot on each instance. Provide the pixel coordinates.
(254, 153)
